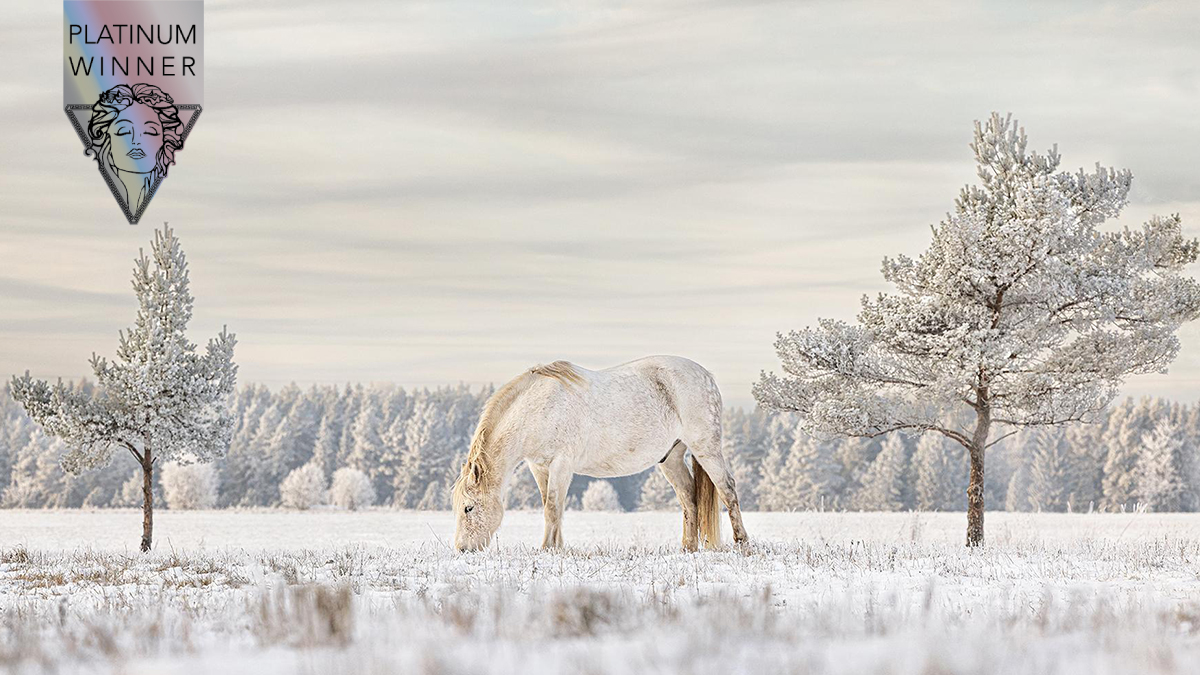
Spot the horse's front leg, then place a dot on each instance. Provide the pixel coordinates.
(554, 498)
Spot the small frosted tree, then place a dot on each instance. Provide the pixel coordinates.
(600, 495)
(189, 486)
(351, 489)
(1022, 312)
(303, 488)
(159, 399)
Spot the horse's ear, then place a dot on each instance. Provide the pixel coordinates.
(476, 471)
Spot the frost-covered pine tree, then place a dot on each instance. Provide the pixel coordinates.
(325, 446)
(1021, 312)
(855, 456)
(351, 489)
(367, 446)
(523, 491)
(1159, 483)
(1016, 496)
(745, 448)
(1053, 471)
(887, 485)
(600, 495)
(303, 488)
(657, 493)
(159, 399)
(1190, 466)
(776, 490)
(938, 465)
(815, 475)
(1084, 441)
(1124, 443)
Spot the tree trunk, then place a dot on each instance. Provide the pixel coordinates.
(983, 424)
(975, 499)
(147, 499)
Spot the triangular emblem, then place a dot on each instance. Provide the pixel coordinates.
(133, 190)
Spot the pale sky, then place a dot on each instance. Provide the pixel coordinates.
(433, 193)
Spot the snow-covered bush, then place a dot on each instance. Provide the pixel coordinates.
(351, 489)
(600, 495)
(189, 486)
(303, 487)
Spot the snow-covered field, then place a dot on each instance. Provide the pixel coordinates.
(380, 592)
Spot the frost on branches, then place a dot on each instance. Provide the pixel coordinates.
(1022, 312)
(303, 488)
(189, 486)
(159, 399)
(600, 495)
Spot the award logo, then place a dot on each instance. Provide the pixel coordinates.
(133, 87)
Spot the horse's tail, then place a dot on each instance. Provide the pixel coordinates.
(708, 511)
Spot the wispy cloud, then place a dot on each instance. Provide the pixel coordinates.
(444, 192)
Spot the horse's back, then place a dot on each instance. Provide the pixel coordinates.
(619, 420)
(687, 386)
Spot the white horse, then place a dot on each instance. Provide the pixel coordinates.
(563, 420)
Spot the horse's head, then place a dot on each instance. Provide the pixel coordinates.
(478, 507)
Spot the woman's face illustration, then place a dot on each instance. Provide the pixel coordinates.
(135, 138)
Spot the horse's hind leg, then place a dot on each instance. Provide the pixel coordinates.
(713, 461)
(677, 474)
(554, 500)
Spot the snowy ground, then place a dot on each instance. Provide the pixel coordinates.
(380, 592)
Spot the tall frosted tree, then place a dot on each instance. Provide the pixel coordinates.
(745, 448)
(814, 473)
(887, 485)
(1124, 442)
(367, 447)
(1022, 312)
(1160, 484)
(1190, 466)
(1085, 443)
(1051, 471)
(775, 491)
(938, 465)
(158, 399)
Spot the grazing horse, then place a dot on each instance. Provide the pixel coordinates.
(562, 420)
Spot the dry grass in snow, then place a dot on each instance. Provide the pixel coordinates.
(817, 593)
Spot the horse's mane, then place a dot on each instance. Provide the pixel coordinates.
(563, 371)
(479, 465)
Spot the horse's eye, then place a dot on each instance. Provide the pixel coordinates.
(469, 509)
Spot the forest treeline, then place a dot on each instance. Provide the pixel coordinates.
(410, 444)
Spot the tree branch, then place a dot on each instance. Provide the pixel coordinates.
(949, 433)
(999, 439)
